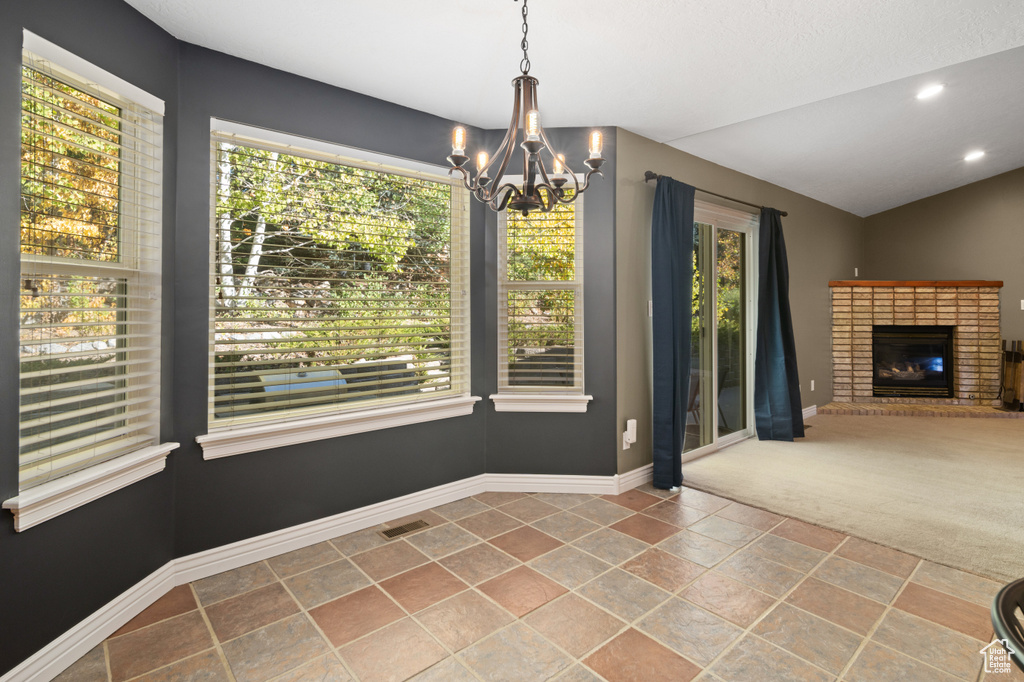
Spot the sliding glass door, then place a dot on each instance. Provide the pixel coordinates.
(720, 400)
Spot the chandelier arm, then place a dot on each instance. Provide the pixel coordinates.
(499, 207)
(553, 190)
(586, 180)
(554, 198)
(507, 186)
(550, 147)
(501, 173)
(485, 195)
(465, 177)
(575, 183)
(540, 165)
(578, 189)
(510, 137)
(549, 198)
(509, 148)
(551, 152)
(567, 170)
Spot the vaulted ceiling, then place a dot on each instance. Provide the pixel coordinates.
(818, 97)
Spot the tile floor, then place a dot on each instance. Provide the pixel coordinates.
(509, 586)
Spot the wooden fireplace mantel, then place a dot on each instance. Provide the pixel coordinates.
(914, 283)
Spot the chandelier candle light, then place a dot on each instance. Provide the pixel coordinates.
(539, 190)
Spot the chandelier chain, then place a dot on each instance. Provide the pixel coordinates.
(524, 65)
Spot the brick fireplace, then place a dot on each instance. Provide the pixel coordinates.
(970, 307)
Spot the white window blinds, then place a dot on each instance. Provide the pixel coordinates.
(336, 284)
(540, 300)
(90, 269)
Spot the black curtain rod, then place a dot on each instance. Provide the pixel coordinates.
(651, 175)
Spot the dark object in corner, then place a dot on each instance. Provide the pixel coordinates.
(1005, 622)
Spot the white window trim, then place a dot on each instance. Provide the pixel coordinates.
(303, 145)
(236, 441)
(51, 499)
(48, 500)
(226, 441)
(540, 400)
(94, 75)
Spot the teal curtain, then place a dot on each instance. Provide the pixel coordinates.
(778, 412)
(671, 291)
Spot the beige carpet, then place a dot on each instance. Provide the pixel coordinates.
(948, 490)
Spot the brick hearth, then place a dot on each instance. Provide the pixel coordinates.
(971, 307)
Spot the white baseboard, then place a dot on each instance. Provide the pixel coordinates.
(554, 483)
(52, 659)
(634, 478)
(227, 557)
(551, 483)
(810, 411)
(237, 554)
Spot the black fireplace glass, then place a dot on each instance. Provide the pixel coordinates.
(912, 361)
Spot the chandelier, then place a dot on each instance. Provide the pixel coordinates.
(539, 189)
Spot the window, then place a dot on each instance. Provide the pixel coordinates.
(540, 310)
(90, 273)
(338, 286)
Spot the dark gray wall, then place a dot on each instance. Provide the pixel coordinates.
(538, 443)
(55, 574)
(233, 498)
(972, 232)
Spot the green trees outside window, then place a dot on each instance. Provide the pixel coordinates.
(90, 197)
(333, 284)
(540, 289)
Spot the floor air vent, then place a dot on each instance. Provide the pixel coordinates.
(392, 533)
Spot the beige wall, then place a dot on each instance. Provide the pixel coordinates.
(972, 232)
(823, 243)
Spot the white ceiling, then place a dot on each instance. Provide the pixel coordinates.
(816, 96)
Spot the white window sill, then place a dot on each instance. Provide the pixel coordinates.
(243, 439)
(51, 499)
(540, 402)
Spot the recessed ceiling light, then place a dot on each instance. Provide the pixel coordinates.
(930, 91)
(974, 156)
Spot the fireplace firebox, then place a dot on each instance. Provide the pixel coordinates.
(912, 361)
